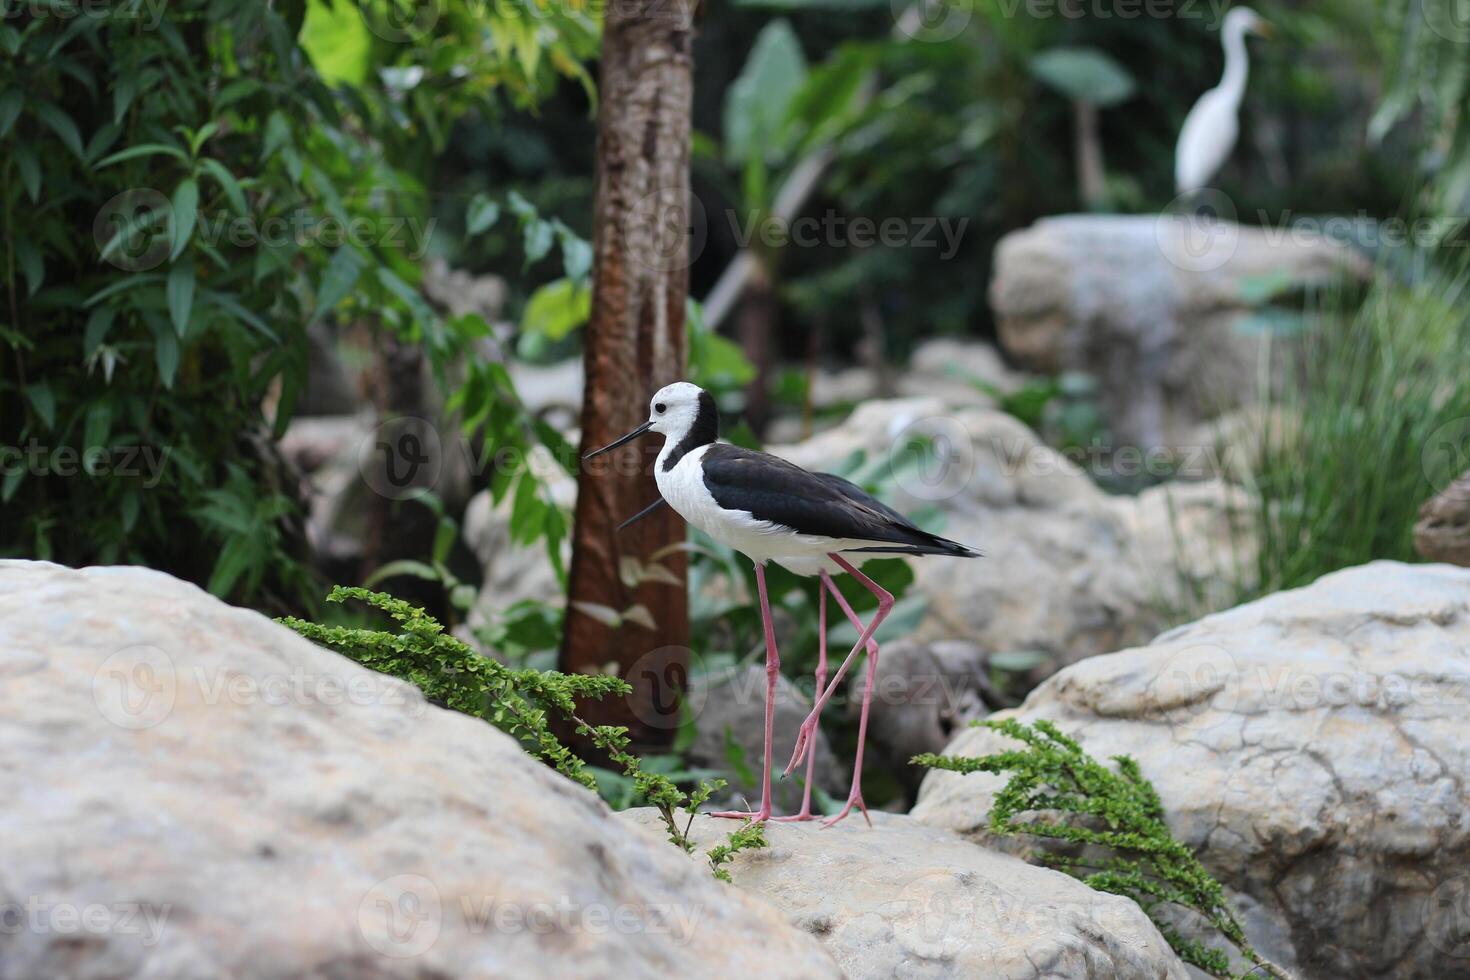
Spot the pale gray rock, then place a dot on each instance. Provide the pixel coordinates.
(901, 899)
(1154, 306)
(194, 791)
(1311, 746)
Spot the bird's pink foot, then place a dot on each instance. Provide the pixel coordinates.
(805, 738)
(854, 800)
(797, 817)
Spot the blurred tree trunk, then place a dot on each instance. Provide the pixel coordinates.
(755, 328)
(635, 344)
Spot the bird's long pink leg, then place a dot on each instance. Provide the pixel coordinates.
(806, 737)
(773, 668)
(820, 682)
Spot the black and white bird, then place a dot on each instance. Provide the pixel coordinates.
(772, 510)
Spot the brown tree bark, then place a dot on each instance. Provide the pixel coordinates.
(635, 344)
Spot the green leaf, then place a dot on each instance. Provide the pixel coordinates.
(277, 134)
(30, 169)
(98, 426)
(557, 309)
(1084, 74)
(180, 291)
(537, 237)
(234, 561)
(129, 509)
(481, 215)
(576, 254)
(757, 104)
(125, 88)
(186, 213)
(61, 124)
(12, 482)
(43, 400)
(227, 182)
(165, 350)
(405, 566)
(337, 281)
(97, 326)
(10, 104)
(1017, 661)
(32, 266)
(141, 150)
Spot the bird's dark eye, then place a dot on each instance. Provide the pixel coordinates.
(660, 408)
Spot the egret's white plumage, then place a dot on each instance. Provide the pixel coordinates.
(1212, 126)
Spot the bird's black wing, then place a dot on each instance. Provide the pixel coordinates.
(772, 489)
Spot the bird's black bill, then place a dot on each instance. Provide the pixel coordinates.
(660, 502)
(618, 442)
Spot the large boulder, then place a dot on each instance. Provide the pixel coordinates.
(1069, 571)
(901, 899)
(1311, 747)
(1158, 308)
(194, 791)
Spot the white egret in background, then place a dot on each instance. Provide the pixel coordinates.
(1211, 128)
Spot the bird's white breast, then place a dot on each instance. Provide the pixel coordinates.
(684, 488)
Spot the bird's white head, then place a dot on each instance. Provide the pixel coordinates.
(682, 413)
(675, 408)
(1244, 20)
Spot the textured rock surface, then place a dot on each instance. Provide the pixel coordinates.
(1312, 746)
(1068, 570)
(904, 900)
(193, 791)
(1166, 339)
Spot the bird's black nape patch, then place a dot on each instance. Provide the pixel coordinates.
(705, 430)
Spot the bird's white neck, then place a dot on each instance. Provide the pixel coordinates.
(1237, 63)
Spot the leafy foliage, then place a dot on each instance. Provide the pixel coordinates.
(1372, 419)
(1073, 798)
(749, 836)
(520, 702)
(1427, 48)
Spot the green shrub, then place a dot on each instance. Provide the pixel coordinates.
(1075, 799)
(520, 703)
